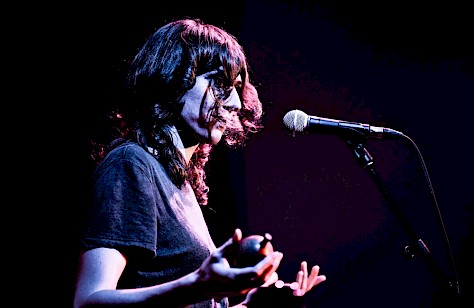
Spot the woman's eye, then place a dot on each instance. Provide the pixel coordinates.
(221, 92)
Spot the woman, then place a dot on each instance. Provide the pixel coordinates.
(146, 243)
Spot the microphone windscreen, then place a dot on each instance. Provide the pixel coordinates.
(295, 120)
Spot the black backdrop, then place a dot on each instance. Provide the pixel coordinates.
(399, 64)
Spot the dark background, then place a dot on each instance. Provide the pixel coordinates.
(400, 64)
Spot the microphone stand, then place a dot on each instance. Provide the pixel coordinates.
(418, 247)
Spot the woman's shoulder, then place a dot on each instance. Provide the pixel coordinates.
(129, 153)
(128, 148)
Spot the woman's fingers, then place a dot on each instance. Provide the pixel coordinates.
(268, 267)
(314, 278)
(305, 282)
(273, 278)
(304, 269)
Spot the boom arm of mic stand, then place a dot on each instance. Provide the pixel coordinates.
(365, 160)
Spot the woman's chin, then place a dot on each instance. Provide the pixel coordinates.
(216, 136)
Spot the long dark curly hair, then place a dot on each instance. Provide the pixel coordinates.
(159, 75)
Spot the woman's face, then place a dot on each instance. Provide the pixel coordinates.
(208, 109)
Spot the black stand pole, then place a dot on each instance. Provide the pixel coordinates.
(417, 247)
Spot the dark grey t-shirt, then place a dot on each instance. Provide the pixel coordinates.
(137, 210)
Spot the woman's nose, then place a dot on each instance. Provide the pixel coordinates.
(233, 102)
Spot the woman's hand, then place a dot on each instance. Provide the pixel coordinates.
(305, 282)
(217, 278)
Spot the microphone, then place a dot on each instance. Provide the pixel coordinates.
(296, 121)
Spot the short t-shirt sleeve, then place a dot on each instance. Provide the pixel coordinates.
(123, 211)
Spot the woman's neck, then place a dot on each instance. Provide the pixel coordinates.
(186, 146)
